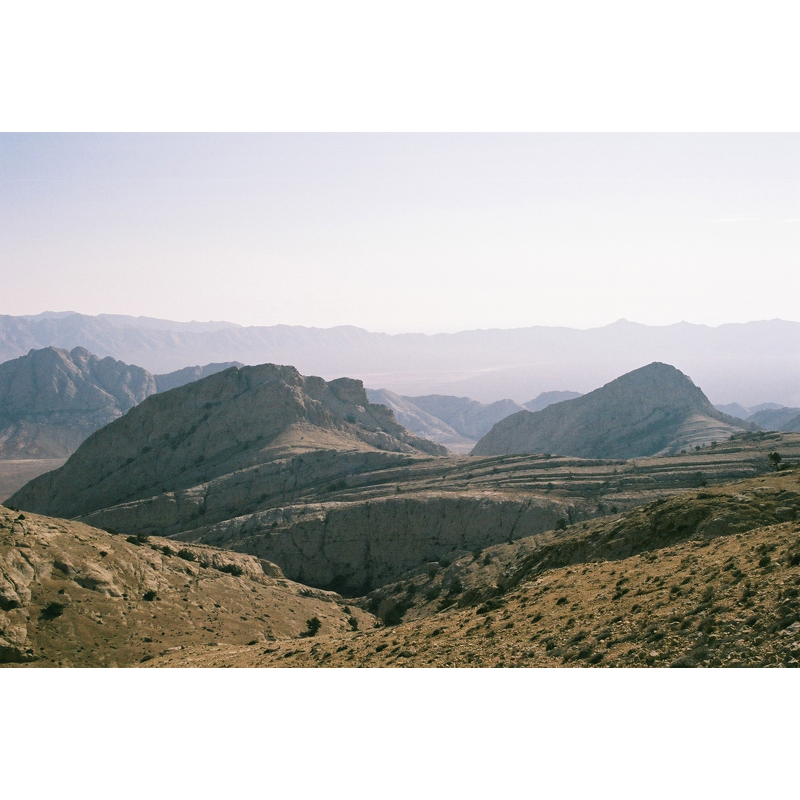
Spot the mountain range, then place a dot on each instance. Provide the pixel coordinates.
(53, 399)
(456, 422)
(748, 363)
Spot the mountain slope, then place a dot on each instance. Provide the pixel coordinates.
(51, 400)
(420, 422)
(73, 595)
(188, 374)
(654, 409)
(779, 419)
(470, 418)
(219, 426)
(548, 398)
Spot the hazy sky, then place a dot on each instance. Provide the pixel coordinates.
(428, 232)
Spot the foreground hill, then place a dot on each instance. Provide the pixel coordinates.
(72, 595)
(51, 400)
(654, 409)
(706, 579)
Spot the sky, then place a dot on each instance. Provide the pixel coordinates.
(403, 232)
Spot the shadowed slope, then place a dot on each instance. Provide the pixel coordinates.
(51, 400)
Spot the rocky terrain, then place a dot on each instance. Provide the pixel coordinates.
(51, 400)
(271, 471)
(72, 595)
(456, 422)
(652, 410)
(420, 422)
(709, 578)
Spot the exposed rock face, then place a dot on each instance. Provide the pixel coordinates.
(51, 400)
(421, 422)
(655, 409)
(189, 374)
(214, 428)
(354, 547)
(469, 418)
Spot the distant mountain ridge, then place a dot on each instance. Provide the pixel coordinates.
(52, 399)
(735, 361)
(653, 410)
(455, 422)
(188, 374)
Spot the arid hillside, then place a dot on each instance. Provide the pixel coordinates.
(71, 595)
(710, 578)
(651, 411)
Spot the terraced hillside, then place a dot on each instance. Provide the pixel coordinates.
(708, 578)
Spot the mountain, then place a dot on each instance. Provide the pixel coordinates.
(52, 399)
(228, 424)
(470, 418)
(420, 422)
(654, 409)
(548, 398)
(188, 374)
(777, 419)
(736, 361)
(734, 410)
(737, 410)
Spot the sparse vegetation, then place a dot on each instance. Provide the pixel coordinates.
(52, 610)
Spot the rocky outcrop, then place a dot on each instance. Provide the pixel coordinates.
(234, 421)
(655, 409)
(354, 547)
(51, 400)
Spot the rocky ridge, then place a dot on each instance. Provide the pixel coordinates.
(654, 409)
(52, 399)
(231, 423)
(189, 374)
